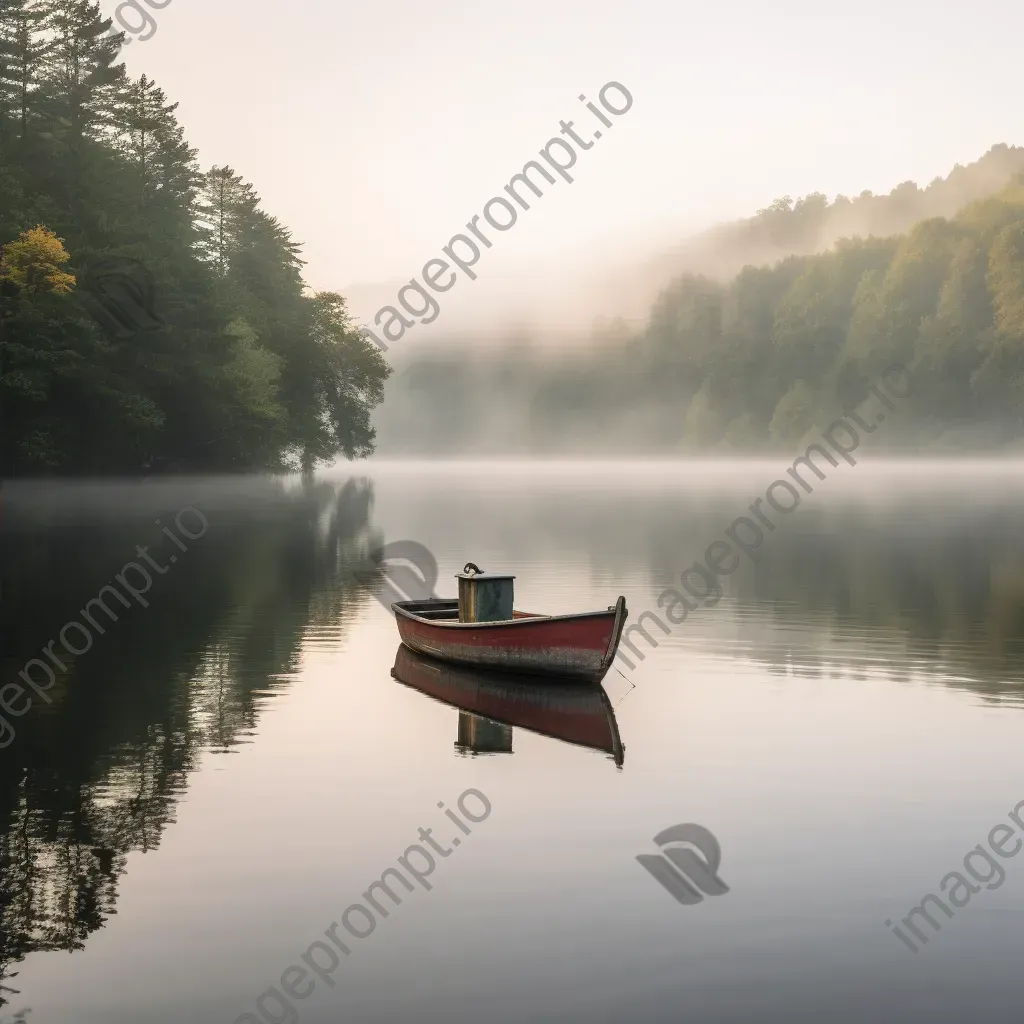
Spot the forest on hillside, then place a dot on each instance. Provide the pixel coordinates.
(812, 223)
(775, 324)
(236, 365)
(767, 357)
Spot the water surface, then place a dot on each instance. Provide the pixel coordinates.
(226, 770)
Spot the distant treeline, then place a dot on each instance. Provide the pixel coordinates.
(247, 370)
(776, 352)
(812, 224)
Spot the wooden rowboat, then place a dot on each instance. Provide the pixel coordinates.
(580, 645)
(569, 710)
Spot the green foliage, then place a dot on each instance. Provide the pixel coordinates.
(946, 299)
(32, 263)
(247, 371)
(344, 375)
(795, 413)
(1006, 282)
(782, 348)
(742, 433)
(704, 424)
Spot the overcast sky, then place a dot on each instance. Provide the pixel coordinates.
(376, 130)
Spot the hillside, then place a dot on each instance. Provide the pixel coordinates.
(756, 360)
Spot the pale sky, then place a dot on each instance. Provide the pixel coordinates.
(376, 130)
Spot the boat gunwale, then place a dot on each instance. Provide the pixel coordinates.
(400, 608)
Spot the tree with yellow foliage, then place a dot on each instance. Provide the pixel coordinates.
(33, 262)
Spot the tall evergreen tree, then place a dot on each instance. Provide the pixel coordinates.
(227, 204)
(81, 72)
(24, 47)
(214, 376)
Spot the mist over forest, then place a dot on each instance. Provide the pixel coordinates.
(752, 335)
(763, 332)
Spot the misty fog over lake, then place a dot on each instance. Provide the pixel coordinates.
(229, 767)
(510, 513)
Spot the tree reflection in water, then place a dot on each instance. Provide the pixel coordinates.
(97, 774)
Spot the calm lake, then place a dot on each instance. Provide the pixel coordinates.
(225, 769)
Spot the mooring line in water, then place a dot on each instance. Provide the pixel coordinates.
(632, 687)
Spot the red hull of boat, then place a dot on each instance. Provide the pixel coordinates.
(580, 645)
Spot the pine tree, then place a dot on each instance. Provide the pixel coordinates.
(226, 205)
(148, 134)
(81, 74)
(24, 48)
(227, 375)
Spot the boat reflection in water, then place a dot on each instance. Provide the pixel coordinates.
(491, 703)
(478, 735)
